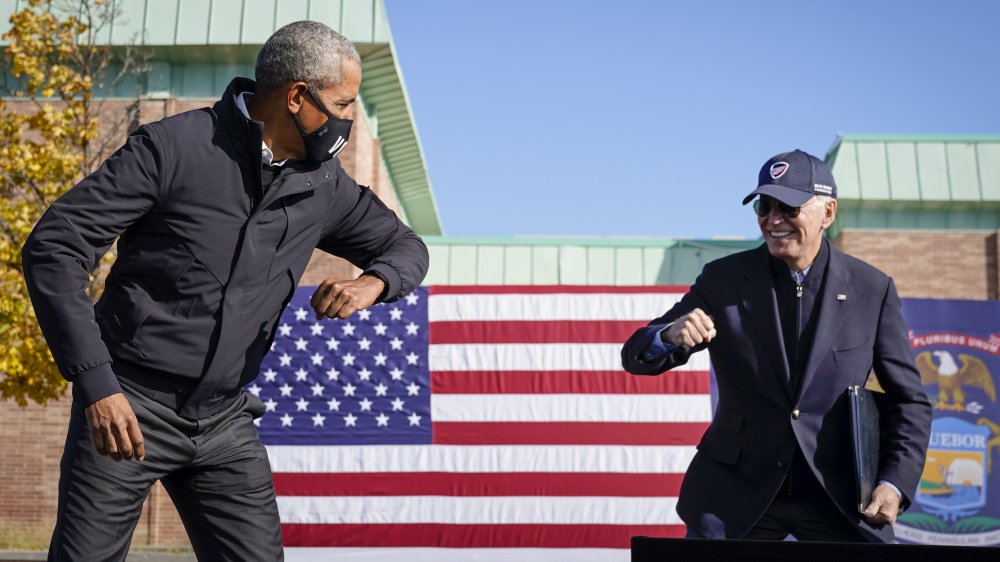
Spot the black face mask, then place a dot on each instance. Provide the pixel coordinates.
(329, 139)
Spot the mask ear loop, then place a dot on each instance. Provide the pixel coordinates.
(318, 103)
(295, 116)
(298, 124)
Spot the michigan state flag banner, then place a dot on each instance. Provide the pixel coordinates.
(477, 423)
(956, 346)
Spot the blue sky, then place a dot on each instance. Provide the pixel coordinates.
(652, 118)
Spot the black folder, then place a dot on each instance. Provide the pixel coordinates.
(865, 436)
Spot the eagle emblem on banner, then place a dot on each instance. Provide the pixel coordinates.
(952, 376)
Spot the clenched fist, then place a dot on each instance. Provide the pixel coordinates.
(340, 299)
(691, 329)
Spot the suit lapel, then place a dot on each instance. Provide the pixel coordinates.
(761, 305)
(835, 302)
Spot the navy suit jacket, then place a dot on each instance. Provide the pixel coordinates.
(746, 451)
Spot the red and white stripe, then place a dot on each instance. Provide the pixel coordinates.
(544, 449)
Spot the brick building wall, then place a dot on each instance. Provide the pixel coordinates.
(927, 264)
(33, 437)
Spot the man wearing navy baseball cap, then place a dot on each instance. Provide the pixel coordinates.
(789, 326)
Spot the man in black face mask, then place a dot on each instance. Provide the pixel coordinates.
(216, 212)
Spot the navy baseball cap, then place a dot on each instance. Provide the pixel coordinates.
(794, 178)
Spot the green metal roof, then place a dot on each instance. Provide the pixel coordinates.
(198, 44)
(916, 182)
(919, 168)
(573, 261)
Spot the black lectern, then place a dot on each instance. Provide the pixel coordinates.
(649, 549)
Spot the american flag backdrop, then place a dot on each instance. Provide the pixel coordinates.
(477, 423)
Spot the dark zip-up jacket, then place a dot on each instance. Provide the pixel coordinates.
(207, 258)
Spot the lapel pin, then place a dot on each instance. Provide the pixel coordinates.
(841, 297)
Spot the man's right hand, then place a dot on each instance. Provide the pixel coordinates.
(114, 429)
(691, 329)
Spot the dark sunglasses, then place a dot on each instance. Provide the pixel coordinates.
(763, 206)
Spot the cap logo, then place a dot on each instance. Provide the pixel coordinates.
(778, 169)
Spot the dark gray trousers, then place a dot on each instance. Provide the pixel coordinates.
(215, 470)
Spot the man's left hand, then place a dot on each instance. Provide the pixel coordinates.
(340, 299)
(884, 506)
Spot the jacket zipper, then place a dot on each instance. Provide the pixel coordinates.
(798, 331)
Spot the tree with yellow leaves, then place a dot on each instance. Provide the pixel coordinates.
(51, 135)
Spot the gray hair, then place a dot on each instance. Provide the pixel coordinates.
(821, 199)
(824, 199)
(306, 51)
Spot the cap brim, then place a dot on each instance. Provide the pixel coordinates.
(787, 195)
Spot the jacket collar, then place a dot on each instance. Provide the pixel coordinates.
(835, 302)
(246, 134)
(761, 306)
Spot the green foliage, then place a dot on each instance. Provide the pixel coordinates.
(976, 524)
(924, 522)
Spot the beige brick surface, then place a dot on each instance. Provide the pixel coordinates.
(941, 265)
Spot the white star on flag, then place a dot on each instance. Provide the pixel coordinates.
(317, 359)
(301, 344)
(301, 314)
(285, 330)
(285, 360)
(301, 374)
(464, 350)
(348, 329)
(255, 390)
